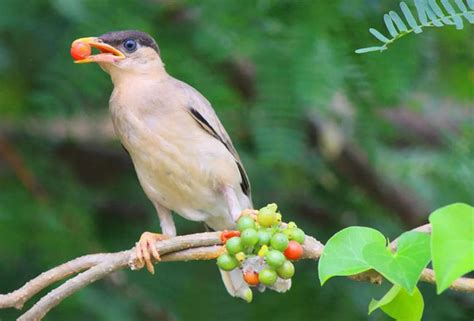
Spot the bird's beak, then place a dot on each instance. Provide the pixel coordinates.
(107, 52)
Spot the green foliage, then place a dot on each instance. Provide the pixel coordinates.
(343, 253)
(430, 14)
(399, 304)
(357, 249)
(452, 243)
(404, 266)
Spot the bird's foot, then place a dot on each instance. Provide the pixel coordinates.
(146, 251)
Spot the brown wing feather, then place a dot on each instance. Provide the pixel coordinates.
(202, 111)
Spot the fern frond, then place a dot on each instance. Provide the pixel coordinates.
(430, 14)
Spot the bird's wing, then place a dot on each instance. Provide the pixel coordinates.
(202, 111)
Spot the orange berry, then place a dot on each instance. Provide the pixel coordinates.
(80, 50)
(251, 277)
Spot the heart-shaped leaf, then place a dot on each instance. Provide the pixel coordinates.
(399, 304)
(342, 254)
(452, 243)
(403, 267)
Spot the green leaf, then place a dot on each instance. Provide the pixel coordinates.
(378, 35)
(420, 9)
(369, 49)
(410, 18)
(398, 21)
(437, 10)
(449, 8)
(452, 243)
(430, 14)
(390, 26)
(403, 267)
(433, 17)
(461, 5)
(342, 254)
(470, 4)
(468, 15)
(400, 305)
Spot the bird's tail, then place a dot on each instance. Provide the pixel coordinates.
(235, 284)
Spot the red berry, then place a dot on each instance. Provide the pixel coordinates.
(80, 50)
(294, 251)
(251, 277)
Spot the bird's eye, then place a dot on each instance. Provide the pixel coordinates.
(130, 45)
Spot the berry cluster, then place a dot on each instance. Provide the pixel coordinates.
(264, 238)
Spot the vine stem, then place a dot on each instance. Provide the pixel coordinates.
(200, 246)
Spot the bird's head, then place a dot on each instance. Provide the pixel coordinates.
(123, 52)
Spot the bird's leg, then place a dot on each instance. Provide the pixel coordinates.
(235, 212)
(233, 280)
(166, 220)
(145, 248)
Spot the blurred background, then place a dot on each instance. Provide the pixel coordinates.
(336, 139)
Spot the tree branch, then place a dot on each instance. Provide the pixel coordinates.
(201, 246)
(350, 160)
(24, 174)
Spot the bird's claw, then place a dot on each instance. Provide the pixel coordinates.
(146, 251)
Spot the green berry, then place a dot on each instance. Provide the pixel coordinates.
(245, 222)
(298, 235)
(286, 271)
(278, 218)
(266, 217)
(272, 207)
(267, 277)
(264, 237)
(234, 245)
(240, 257)
(227, 262)
(275, 258)
(289, 233)
(249, 237)
(292, 225)
(279, 242)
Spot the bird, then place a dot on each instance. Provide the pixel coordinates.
(183, 157)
